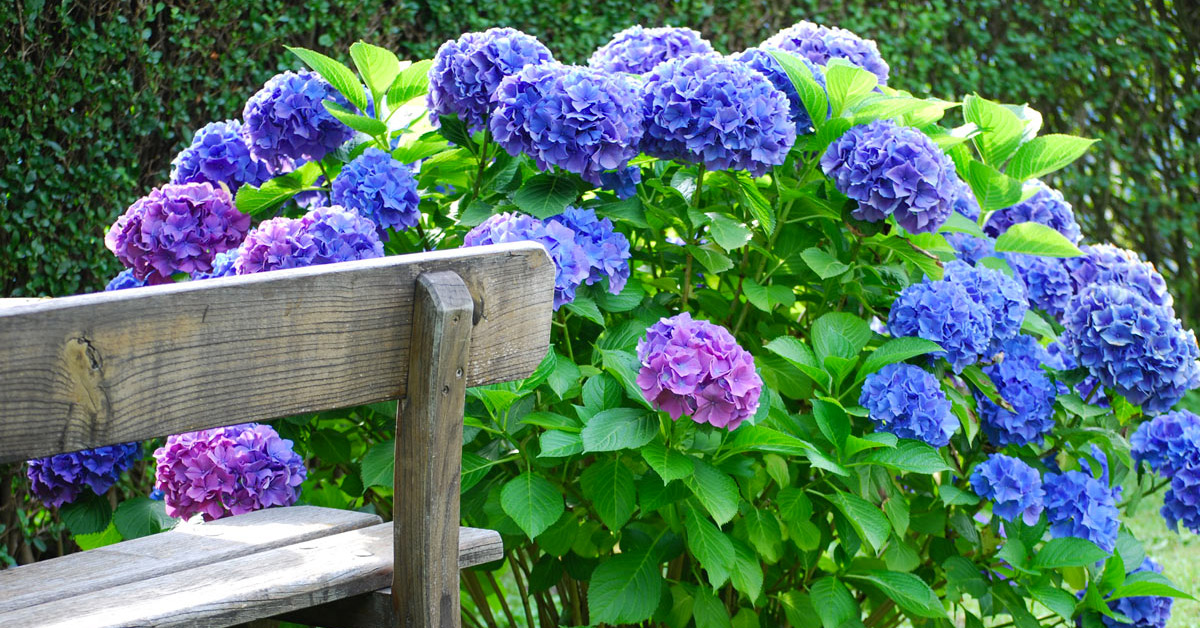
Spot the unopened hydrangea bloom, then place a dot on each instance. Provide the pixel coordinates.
(607, 250)
(892, 170)
(467, 71)
(1003, 296)
(710, 110)
(1108, 264)
(696, 368)
(638, 50)
(287, 122)
(227, 471)
(1014, 488)
(1181, 503)
(1047, 280)
(124, 280)
(1144, 611)
(761, 60)
(1020, 381)
(943, 311)
(379, 188)
(219, 154)
(58, 480)
(579, 119)
(1168, 442)
(819, 44)
(571, 263)
(907, 401)
(1132, 345)
(176, 229)
(1047, 206)
(341, 235)
(224, 265)
(1081, 506)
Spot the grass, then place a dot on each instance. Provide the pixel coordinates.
(1179, 554)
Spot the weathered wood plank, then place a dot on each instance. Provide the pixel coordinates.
(187, 546)
(90, 370)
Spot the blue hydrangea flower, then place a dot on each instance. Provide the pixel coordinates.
(892, 170)
(907, 401)
(579, 119)
(945, 313)
(1144, 611)
(287, 122)
(971, 249)
(1059, 358)
(1047, 280)
(1003, 296)
(219, 153)
(819, 44)
(467, 71)
(1080, 506)
(1014, 487)
(762, 61)
(1047, 206)
(1168, 442)
(964, 201)
(638, 50)
(571, 263)
(710, 110)
(379, 188)
(58, 480)
(607, 250)
(1108, 264)
(224, 265)
(126, 279)
(1181, 503)
(622, 182)
(1132, 345)
(341, 235)
(1020, 381)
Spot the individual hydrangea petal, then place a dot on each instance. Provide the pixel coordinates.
(1144, 611)
(467, 71)
(943, 311)
(571, 263)
(59, 479)
(218, 154)
(125, 279)
(176, 228)
(1181, 503)
(819, 44)
(1078, 505)
(224, 265)
(638, 50)
(696, 368)
(380, 188)
(892, 170)
(1047, 206)
(1003, 296)
(607, 250)
(341, 235)
(1047, 279)
(1169, 442)
(1020, 381)
(710, 110)
(907, 401)
(227, 471)
(1015, 488)
(761, 60)
(287, 121)
(1108, 264)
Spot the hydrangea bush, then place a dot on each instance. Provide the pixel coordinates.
(826, 353)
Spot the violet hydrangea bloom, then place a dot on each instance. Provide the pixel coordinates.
(59, 479)
(1181, 503)
(907, 401)
(571, 262)
(176, 228)
(710, 110)
(1047, 280)
(224, 265)
(219, 153)
(971, 249)
(323, 236)
(762, 61)
(697, 368)
(287, 121)
(1168, 442)
(1047, 206)
(1014, 488)
(892, 170)
(943, 311)
(227, 471)
(380, 188)
(819, 44)
(125, 279)
(1081, 506)
(638, 50)
(274, 244)
(1020, 381)
(607, 250)
(467, 71)
(1144, 611)
(1003, 296)
(1108, 264)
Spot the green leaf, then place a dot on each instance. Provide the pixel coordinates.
(532, 502)
(716, 491)
(747, 575)
(816, 101)
(1147, 583)
(601, 392)
(909, 456)
(715, 261)
(728, 233)
(958, 223)
(765, 534)
(983, 384)
(412, 82)
(868, 520)
(709, 611)
(609, 486)
(379, 465)
(896, 350)
(586, 308)
(370, 126)
(624, 366)
(1034, 238)
(898, 513)
(825, 265)
(142, 516)
(840, 334)
(1068, 552)
(833, 602)
(1043, 155)
(954, 496)
(927, 262)
(551, 421)
(272, 194)
(1002, 129)
(1055, 599)
(338, 75)
(711, 547)
(753, 200)
(993, 189)
(546, 194)
(832, 421)
(556, 444)
(619, 428)
(767, 298)
(88, 514)
(906, 590)
(455, 130)
(379, 67)
(668, 463)
(847, 85)
(330, 445)
(107, 536)
(794, 505)
(630, 297)
(474, 469)
(625, 588)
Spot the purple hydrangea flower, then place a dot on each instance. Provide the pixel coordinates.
(125, 279)
(275, 244)
(1132, 345)
(892, 170)
(907, 401)
(1144, 611)
(607, 250)
(762, 61)
(1181, 503)
(571, 263)
(579, 119)
(696, 368)
(59, 479)
(1047, 206)
(218, 154)
(964, 201)
(943, 311)
(1108, 264)
(717, 112)
(228, 471)
(638, 50)
(1015, 488)
(1081, 506)
(224, 265)
(467, 71)
(379, 188)
(1020, 381)
(1047, 279)
(622, 182)
(287, 121)
(1169, 442)
(819, 44)
(176, 228)
(1003, 296)
(323, 236)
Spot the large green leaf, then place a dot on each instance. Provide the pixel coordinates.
(711, 547)
(747, 575)
(1034, 238)
(1147, 583)
(378, 67)
(716, 491)
(330, 445)
(906, 590)
(728, 233)
(272, 194)
(370, 126)
(993, 189)
(379, 465)
(847, 84)
(909, 456)
(840, 334)
(625, 588)
(609, 486)
(532, 502)
(753, 200)
(1055, 599)
(412, 82)
(868, 520)
(896, 350)
(338, 75)
(825, 265)
(1068, 552)
(142, 516)
(546, 194)
(709, 611)
(833, 602)
(556, 444)
(1002, 129)
(88, 514)
(767, 298)
(765, 534)
(816, 101)
(619, 428)
(667, 462)
(832, 421)
(1043, 155)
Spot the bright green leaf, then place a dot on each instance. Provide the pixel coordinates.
(609, 486)
(619, 428)
(1043, 155)
(625, 588)
(1034, 238)
(532, 502)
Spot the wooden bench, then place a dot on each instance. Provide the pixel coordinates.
(84, 371)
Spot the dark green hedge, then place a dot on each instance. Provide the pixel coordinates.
(100, 95)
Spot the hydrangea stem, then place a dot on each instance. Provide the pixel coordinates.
(687, 271)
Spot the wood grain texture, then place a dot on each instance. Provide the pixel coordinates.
(80, 372)
(189, 545)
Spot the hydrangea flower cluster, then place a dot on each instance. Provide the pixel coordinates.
(176, 228)
(1020, 381)
(227, 471)
(467, 71)
(287, 122)
(1181, 503)
(219, 154)
(1081, 506)
(1015, 488)
(1108, 264)
(607, 250)
(1169, 442)
(224, 265)
(971, 249)
(1047, 206)
(379, 188)
(819, 44)
(1144, 611)
(762, 61)
(1047, 280)
(579, 119)
(58, 480)
(892, 170)
(1003, 296)
(571, 263)
(943, 311)
(126, 279)
(714, 111)
(324, 235)
(696, 368)
(907, 401)
(638, 50)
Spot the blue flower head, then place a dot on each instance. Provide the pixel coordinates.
(1169, 442)
(607, 250)
(907, 401)
(819, 44)
(1003, 296)
(1047, 280)
(638, 50)
(1108, 264)
(1020, 381)
(1144, 611)
(943, 311)
(467, 71)
(223, 266)
(59, 480)
(1015, 488)
(964, 201)
(1181, 503)
(126, 279)
(287, 122)
(571, 263)
(761, 60)
(219, 153)
(380, 188)
(1078, 505)
(1047, 206)
(969, 248)
(341, 235)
